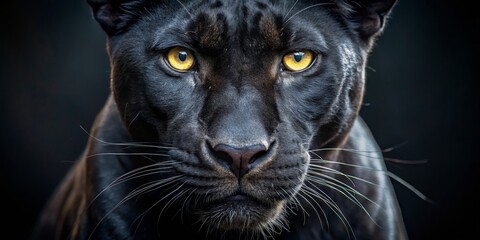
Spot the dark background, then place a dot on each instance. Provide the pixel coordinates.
(422, 94)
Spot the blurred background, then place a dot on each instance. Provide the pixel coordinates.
(422, 96)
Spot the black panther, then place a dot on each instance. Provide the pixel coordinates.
(231, 120)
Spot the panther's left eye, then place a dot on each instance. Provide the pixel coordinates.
(298, 61)
(180, 59)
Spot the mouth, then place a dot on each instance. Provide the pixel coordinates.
(237, 202)
(239, 197)
(240, 211)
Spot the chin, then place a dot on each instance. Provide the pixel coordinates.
(240, 213)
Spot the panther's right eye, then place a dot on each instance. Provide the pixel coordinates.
(180, 59)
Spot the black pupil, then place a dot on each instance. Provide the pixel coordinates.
(182, 55)
(298, 56)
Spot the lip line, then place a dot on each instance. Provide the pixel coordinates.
(240, 196)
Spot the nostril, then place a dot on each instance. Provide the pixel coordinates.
(257, 156)
(238, 159)
(223, 156)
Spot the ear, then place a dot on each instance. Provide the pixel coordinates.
(368, 16)
(114, 15)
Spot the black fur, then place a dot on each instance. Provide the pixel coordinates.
(238, 146)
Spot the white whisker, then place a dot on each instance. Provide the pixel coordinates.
(133, 120)
(186, 10)
(346, 164)
(289, 10)
(409, 186)
(128, 154)
(363, 153)
(140, 217)
(136, 173)
(315, 208)
(343, 150)
(132, 144)
(144, 188)
(333, 206)
(385, 172)
(314, 168)
(304, 9)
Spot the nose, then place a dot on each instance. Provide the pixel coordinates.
(240, 159)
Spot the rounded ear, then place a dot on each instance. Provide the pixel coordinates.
(368, 16)
(114, 15)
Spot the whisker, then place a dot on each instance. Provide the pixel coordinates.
(144, 188)
(394, 160)
(387, 173)
(297, 205)
(394, 147)
(188, 12)
(338, 186)
(313, 168)
(348, 176)
(344, 149)
(150, 159)
(314, 153)
(336, 210)
(356, 152)
(150, 186)
(410, 187)
(289, 10)
(142, 171)
(140, 217)
(333, 206)
(132, 144)
(304, 9)
(184, 204)
(142, 174)
(315, 209)
(345, 190)
(128, 154)
(167, 205)
(320, 193)
(346, 164)
(133, 120)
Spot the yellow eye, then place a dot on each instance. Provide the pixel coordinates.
(298, 61)
(180, 59)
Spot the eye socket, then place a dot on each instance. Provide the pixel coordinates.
(180, 59)
(298, 61)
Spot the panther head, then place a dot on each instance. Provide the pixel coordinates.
(239, 91)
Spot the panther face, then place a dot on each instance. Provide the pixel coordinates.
(238, 92)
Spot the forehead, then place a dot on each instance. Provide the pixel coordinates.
(242, 5)
(253, 24)
(222, 22)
